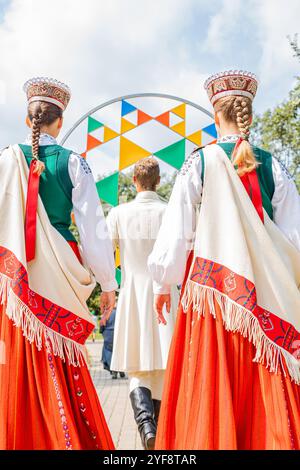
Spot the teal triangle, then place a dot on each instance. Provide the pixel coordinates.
(108, 189)
(211, 130)
(93, 124)
(118, 276)
(173, 154)
(127, 108)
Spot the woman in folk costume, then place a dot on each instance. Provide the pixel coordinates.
(47, 397)
(234, 366)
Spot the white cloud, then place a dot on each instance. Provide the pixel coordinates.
(104, 49)
(274, 20)
(222, 25)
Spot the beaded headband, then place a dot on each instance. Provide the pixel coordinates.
(49, 90)
(231, 83)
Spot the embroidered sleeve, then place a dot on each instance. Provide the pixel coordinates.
(95, 241)
(187, 165)
(176, 235)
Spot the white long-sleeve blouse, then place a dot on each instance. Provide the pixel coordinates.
(176, 236)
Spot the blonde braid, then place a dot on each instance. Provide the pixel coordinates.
(239, 110)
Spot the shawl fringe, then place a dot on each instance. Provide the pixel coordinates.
(238, 319)
(35, 331)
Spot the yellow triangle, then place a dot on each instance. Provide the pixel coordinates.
(126, 126)
(130, 153)
(196, 138)
(109, 134)
(179, 128)
(179, 110)
(118, 258)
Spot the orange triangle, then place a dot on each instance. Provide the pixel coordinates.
(179, 128)
(109, 134)
(126, 126)
(164, 119)
(143, 117)
(196, 138)
(179, 110)
(92, 142)
(83, 154)
(130, 153)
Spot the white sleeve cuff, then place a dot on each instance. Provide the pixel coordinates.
(161, 288)
(109, 286)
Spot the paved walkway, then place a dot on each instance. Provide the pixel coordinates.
(114, 399)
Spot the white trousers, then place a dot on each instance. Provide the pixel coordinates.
(153, 380)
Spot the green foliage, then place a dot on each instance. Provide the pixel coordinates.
(278, 130)
(94, 300)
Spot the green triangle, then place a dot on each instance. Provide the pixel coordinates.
(118, 276)
(93, 124)
(108, 189)
(173, 154)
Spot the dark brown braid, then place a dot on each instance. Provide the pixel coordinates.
(41, 114)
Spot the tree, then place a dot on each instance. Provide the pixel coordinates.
(278, 130)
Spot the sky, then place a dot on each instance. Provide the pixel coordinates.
(104, 49)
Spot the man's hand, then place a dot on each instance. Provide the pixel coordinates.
(159, 301)
(107, 303)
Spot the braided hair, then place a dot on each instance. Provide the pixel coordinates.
(238, 110)
(40, 114)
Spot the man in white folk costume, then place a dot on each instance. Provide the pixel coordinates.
(47, 396)
(141, 344)
(231, 235)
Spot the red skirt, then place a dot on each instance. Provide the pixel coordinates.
(46, 404)
(216, 397)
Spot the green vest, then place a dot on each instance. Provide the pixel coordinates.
(264, 173)
(55, 186)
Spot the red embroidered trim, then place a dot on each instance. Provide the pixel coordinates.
(51, 315)
(243, 292)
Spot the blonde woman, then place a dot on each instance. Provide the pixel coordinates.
(232, 233)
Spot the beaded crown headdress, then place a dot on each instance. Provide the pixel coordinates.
(231, 82)
(49, 90)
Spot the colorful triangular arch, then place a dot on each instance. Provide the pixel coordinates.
(211, 130)
(126, 126)
(143, 117)
(130, 153)
(93, 124)
(127, 108)
(179, 128)
(108, 189)
(164, 118)
(92, 142)
(174, 154)
(196, 138)
(180, 110)
(109, 134)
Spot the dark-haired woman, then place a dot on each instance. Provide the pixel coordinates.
(47, 397)
(233, 376)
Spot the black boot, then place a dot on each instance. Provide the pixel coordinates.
(156, 404)
(143, 409)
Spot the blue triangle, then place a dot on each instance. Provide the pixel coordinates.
(211, 130)
(127, 108)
